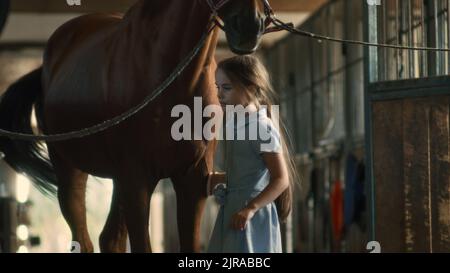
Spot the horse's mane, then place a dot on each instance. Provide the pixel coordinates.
(148, 7)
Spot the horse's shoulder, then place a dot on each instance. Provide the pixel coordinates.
(86, 24)
(79, 30)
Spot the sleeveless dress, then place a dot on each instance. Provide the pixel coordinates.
(247, 176)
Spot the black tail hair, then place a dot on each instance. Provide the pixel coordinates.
(26, 157)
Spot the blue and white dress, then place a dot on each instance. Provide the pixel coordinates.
(247, 176)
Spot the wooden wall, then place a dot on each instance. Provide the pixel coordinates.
(411, 174)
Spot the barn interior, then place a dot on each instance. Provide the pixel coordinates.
(369, 126)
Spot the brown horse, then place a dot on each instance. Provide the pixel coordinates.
(97, 67)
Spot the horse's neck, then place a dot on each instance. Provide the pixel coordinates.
(168, 24)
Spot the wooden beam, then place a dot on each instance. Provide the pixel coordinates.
(61, 6)
(297, 5)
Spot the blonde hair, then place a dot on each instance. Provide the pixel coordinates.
(249, 75)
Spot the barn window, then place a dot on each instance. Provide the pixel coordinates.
(418, 23)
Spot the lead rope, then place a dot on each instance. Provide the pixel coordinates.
(124, 116)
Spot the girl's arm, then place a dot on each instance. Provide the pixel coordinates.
(279, 182)
(214, 178)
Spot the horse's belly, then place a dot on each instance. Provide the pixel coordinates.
(86, 154)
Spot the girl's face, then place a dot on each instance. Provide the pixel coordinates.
(227, 93)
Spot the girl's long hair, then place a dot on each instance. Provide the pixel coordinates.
(248, 74)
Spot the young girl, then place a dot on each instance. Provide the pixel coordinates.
(255, 192)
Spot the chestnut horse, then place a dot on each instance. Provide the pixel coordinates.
(98, 66)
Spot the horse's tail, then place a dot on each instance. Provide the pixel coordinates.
(26, 157)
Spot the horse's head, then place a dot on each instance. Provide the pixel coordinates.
(244, 24)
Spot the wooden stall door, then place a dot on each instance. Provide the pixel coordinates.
(411, 174)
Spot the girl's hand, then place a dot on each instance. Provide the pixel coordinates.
(214, 178)
(240, 219)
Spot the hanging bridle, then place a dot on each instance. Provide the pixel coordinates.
(215, 6)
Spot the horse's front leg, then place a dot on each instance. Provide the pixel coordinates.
(134, 190)
(191, 196)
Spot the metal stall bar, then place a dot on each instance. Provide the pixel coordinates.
(370, 72)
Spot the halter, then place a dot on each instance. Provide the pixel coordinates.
(216, 6)
(268, 11)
